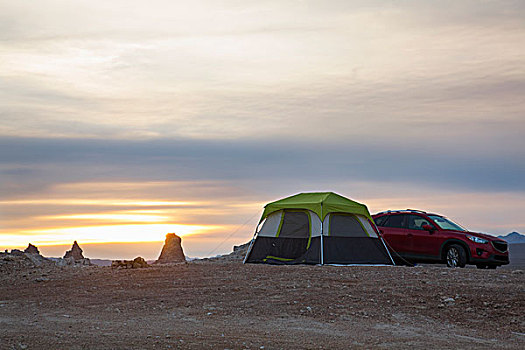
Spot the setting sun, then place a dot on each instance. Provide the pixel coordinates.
(100, 234)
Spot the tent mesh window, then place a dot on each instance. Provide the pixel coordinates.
(344, 225)
(295, 224)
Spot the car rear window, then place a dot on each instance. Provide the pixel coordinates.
(380, 221)
(395, 221)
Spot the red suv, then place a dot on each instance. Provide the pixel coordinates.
(417, 236)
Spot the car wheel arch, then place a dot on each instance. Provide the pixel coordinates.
(449, 242)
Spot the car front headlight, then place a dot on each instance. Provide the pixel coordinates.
(477, 239)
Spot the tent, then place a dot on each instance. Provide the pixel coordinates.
(317, 228)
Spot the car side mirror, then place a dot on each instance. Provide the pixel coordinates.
(428, 228)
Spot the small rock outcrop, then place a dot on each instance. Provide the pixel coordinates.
(136, 263)
(238, 254)
(171, 251)
(18, 260)
(32, 253)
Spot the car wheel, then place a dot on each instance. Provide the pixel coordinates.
(481, 266)
(456, 256)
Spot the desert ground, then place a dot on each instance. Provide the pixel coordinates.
(227, 305)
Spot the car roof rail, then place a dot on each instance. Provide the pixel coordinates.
(416, 211)
(383, 212)
(402, 211)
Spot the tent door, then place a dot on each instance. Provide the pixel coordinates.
(293, 238)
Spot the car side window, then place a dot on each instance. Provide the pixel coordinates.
(397, 221)
(380, 221)
(416, 222)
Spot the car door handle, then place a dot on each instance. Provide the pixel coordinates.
(409, 235)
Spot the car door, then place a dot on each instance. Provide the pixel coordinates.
(394, 232)
(423, 243)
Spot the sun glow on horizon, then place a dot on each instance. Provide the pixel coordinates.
(118, 213)
(126, 217)
(99, 202)
(102, 234)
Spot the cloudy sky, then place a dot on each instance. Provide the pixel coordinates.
(121, 121)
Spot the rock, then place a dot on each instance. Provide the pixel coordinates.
(118, 263)
(36, 259)
(171, 251)
(75, 252)
(517, 272)
(69, 261)
(23, 261)
(238, 254)
(74, 257)
(86, 262)
(31, 249)
(32, 254)
(139, 262)
(136, 263)
(242, 247)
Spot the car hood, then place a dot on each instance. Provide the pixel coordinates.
(483, 235)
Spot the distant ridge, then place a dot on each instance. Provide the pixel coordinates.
(513, 238)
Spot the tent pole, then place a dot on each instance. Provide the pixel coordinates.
(251, 243)
(388, 251)
(384, 245)
(322, 250)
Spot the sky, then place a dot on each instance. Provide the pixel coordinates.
(122, 121)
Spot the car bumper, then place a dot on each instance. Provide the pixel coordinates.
(493, 259)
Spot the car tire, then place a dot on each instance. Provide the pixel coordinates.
(455, 256)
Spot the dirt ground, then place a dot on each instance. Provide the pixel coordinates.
(227, 305)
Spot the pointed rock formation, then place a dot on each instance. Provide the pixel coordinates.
(32, 253)
(31, 249)
(74, 257)
(75, 252)
(172, 250)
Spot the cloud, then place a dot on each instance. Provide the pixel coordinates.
(87, 160)
(55, 188)
(244, 102)
(426, 74)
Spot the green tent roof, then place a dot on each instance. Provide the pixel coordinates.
(321, 203)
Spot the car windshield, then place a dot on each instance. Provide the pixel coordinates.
(445, 223)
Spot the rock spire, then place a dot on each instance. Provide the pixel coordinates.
(75, 252)
(31, 249)
(172, 250)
